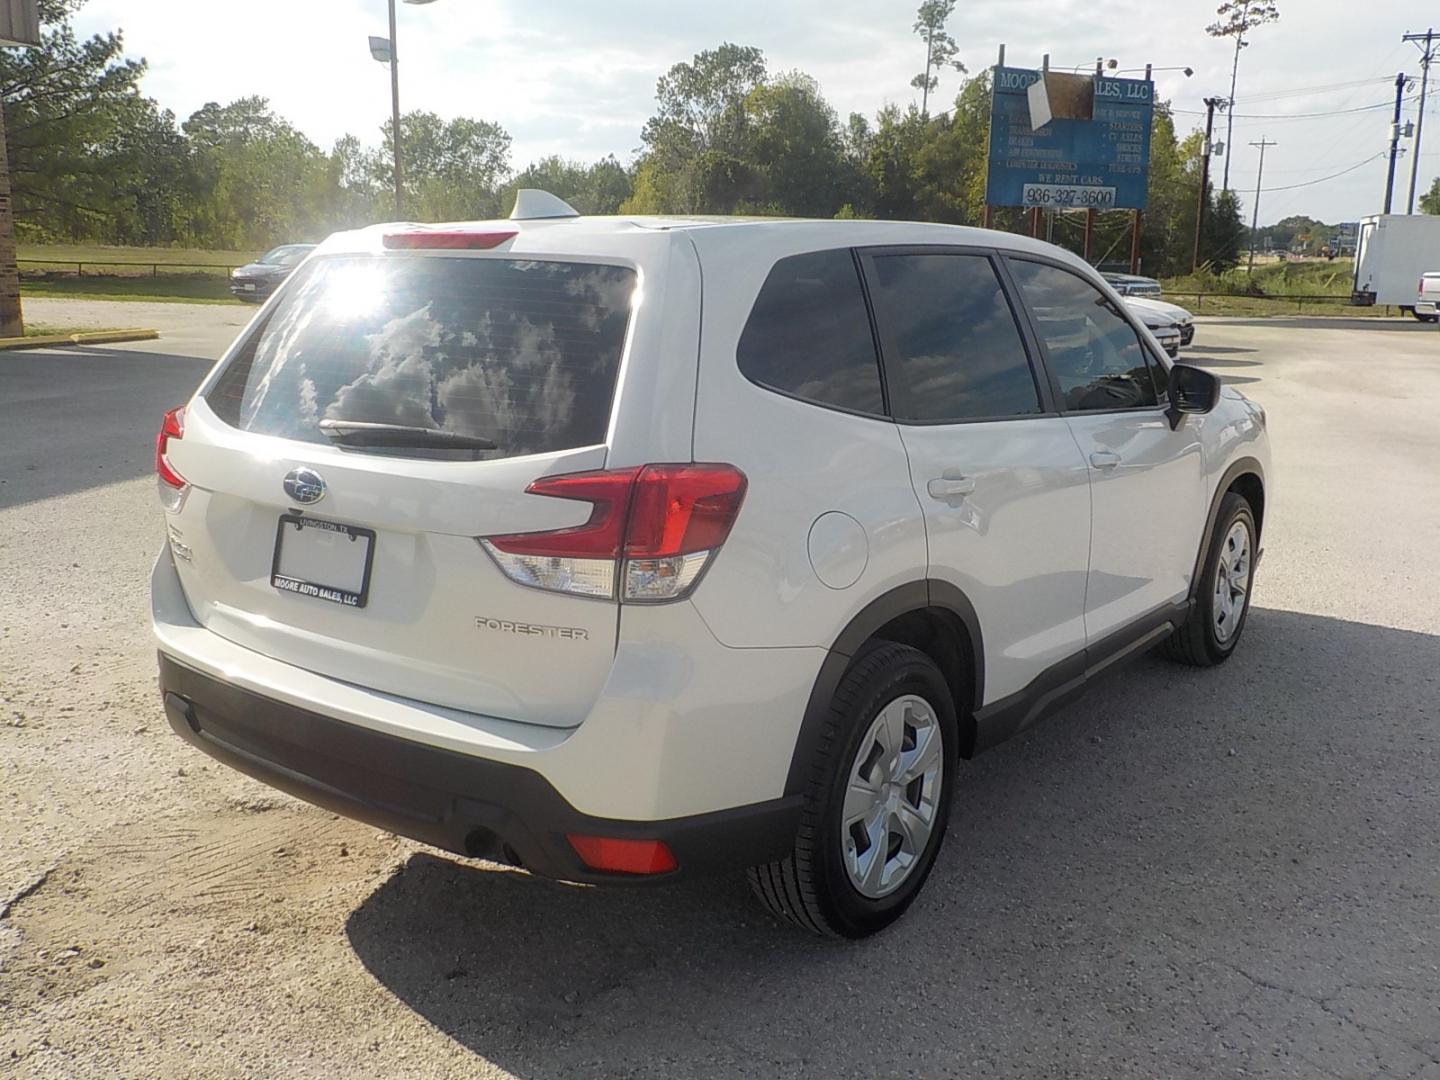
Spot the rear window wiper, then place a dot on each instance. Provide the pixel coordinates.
(365, 433)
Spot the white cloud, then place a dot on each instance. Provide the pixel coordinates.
(577, 77)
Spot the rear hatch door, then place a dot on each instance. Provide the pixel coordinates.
(309, 543)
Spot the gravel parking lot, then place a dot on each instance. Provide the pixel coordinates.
(1186, 874)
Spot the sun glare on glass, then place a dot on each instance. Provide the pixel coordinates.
(355, 291)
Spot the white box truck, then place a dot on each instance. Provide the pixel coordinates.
(1392, 253)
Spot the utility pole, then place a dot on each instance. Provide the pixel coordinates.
(1400, 82)
(1204, 199)
(1255, 218)
(1427, 53)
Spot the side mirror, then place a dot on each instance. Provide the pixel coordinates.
(1192, 390)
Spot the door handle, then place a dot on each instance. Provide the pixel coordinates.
(1104, 459)
(951, 485)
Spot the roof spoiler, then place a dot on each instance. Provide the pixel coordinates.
(532, 204)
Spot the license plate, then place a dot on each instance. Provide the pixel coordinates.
(249, 286)
(323, 559)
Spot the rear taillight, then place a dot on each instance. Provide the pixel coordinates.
(651, 533)
(171, 485)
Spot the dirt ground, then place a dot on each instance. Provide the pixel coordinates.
(1188, 874)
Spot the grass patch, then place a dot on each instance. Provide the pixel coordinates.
(156, 274)
(1316, 278)
(1316, 286)
(189, 258)
(165, 289)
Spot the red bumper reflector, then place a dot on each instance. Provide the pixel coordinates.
(623, 856)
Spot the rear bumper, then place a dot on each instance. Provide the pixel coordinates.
(464, 804)
(261, 291)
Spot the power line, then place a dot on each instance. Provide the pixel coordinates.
(1305, 91)
(1323, 179)
(1314, 115)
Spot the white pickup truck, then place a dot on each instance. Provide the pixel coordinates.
(1427, 302)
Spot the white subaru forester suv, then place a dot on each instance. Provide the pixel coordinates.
(623, 548)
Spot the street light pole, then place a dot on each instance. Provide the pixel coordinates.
(386, 51)
(395, 114)
(1240, 43)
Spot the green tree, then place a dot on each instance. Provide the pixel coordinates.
(257, 179)
(598, 188)
(1167, 237)
(1225, 233)
(68, 106)
(453, 169)
(694, 155)
(940, 48)
(1236, 19)
(1430, 201)
(793, 142)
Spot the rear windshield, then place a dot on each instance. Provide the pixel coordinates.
(523, 353)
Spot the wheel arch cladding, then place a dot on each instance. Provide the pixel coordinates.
(1252, 489)
(1245, 477)
(932, 616)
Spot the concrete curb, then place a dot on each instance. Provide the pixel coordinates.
(93, 337)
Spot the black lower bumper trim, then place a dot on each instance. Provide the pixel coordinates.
(464, 804)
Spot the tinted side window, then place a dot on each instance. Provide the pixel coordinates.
(1095, 354)
(809, 334)
(951, 343)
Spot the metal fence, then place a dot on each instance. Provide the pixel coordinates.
(1298, 300)
(155, 268)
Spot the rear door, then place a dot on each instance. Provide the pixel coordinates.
(366, 566)
(1003, 485)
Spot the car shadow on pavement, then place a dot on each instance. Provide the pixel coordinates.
(1204, 358)
(1186, 873)
(1226, 350)
(77, 418)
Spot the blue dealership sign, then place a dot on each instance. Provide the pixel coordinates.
(1101, 164)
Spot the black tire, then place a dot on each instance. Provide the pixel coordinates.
(1197, 642)
(810, 887)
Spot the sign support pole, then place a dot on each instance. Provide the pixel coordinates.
(1035, 222)
(988, 221)
(1089, 230)
(1135, 243)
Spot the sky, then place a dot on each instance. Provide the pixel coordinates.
(577, 77)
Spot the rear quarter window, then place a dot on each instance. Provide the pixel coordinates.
(524, 353)
(809, 334)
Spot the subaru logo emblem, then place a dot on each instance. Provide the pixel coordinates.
(304, 485)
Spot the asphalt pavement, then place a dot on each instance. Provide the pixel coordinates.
(1232, 872)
